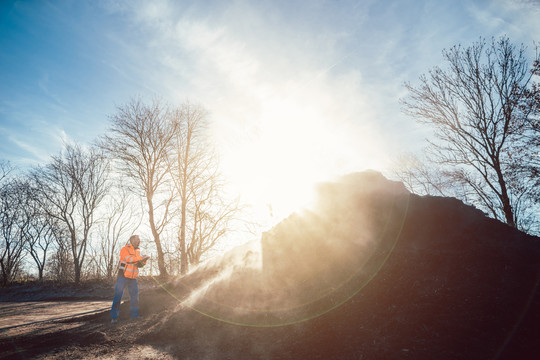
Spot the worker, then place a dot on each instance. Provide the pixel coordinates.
(128, 270)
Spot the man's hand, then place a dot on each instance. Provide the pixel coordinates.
(141, 262)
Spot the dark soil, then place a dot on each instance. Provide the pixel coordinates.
(373, 273)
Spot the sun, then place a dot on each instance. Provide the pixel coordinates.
(290, 139)
(277, 166)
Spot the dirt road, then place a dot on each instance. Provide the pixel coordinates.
(19, 314)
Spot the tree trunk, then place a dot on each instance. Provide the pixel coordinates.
(505, 199)
(183, 254)
(77, 273)
(76, 264)
(161, 258)
(4, 275)
(507, 207)
(110, 267)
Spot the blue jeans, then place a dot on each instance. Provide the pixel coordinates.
(133, 289)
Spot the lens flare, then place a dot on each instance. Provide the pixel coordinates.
(312, 263)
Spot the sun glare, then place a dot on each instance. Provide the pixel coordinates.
(289, 151)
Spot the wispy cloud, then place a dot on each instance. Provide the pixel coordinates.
(517, 19)
(29, 146)
(284, 108)
(312, 96)
(57, 101)
(311, 88)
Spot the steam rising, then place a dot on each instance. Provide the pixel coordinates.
(245, 258)
(311, 262)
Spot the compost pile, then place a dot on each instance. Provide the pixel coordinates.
(370, 272)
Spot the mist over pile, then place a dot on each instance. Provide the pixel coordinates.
(309, 263)
(371, 271)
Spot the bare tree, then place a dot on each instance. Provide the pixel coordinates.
(203, 211)
(60, 264)
(74, 184)
(526, 154)
(12, 204)
(211, 216)
(120, 221)
(39, 238)
(187, 165)
(40, 229)
(474, 107)
(141, 138)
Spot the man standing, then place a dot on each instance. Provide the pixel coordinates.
(130, 262)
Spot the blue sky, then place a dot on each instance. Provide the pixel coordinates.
(297, 91)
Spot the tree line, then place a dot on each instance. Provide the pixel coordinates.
(155, 166)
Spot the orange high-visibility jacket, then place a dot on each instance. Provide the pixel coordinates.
(129, 256)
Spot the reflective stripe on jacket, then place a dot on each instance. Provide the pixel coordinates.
(129, 256)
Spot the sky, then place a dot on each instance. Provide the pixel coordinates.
(297, 91)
